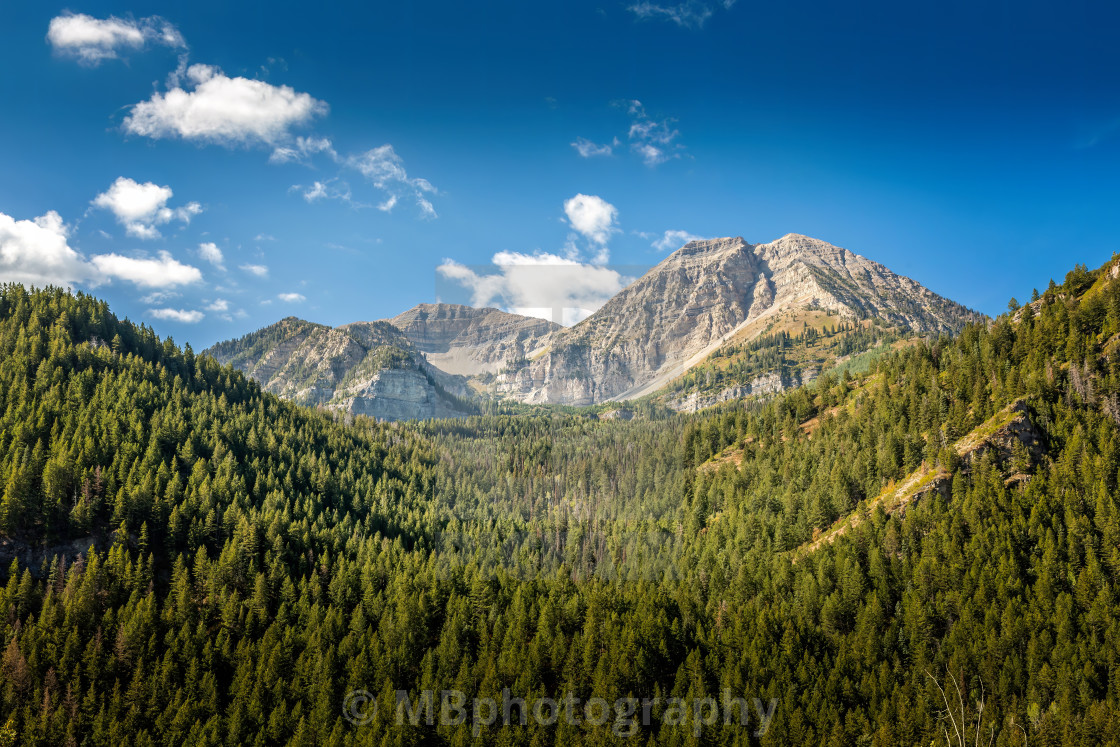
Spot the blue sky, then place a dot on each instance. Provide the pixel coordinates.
(210, 169)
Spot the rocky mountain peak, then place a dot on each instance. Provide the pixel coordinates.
(468, 341)
(709, 247)
(699, 297)
(668, 321)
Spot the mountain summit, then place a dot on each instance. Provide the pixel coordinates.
(419, 364)
(700, 298)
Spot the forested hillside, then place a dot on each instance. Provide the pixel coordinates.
(253, 562)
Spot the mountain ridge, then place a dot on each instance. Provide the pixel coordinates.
(696, 298)
(676, 316)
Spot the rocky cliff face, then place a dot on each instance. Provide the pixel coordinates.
(367, 368)
(668, 321)
(770, 383)
(683, 309)
(465, 341)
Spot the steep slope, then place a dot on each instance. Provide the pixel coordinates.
(255, 564)
(465, 341)
(698, 298)
(366, 368)
(709, 300)
(1010, 434)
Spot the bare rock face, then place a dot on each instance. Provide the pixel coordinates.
(685, 307)
(769, 383)
(422, 362)
(1002, 434)
(395, 394)
(693, 298)
(468, 342)
(366, 368)
(803, 267)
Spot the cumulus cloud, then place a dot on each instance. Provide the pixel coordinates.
(163, 272)
(220, 306)
(689, 14)
(591, 216)
(260, 271)
(223, 110)
(292, 297)
(385, 170)
(673, 240)
(543, 285)
(652, 139)
(142, 207)
(37, 252)
(210, 252)
(589, 149)
(177, 315)
(92, 40)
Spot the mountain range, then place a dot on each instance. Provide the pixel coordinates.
(191, 560)
(704, 300)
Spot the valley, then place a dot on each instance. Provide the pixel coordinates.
(949, 505)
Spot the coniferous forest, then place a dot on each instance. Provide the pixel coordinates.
(189, 560)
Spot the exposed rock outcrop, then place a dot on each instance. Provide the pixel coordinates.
(666, 322)
(770, 383)
(1002, 434)
(367, 368)
(683, 309)
(466, 341)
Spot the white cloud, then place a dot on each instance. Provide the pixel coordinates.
(591, 216)
(655, 140)
(589, 149)
(302, 150)
(652, 139)
(164, 272)
(689, 14)
(210, 252)
(387, 206)
(160, 296)
(177, 315)
(426, 207)
(331, 189)
(385, 169)
(675, 240)
(260, 271)
(292, 297)
(142, 207)
(37, 252)
(219, 304)
(92, 40)
(316, 191)
(540, 285)
(223, 110)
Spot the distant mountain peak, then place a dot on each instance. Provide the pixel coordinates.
(666, 322)
(699, 296)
